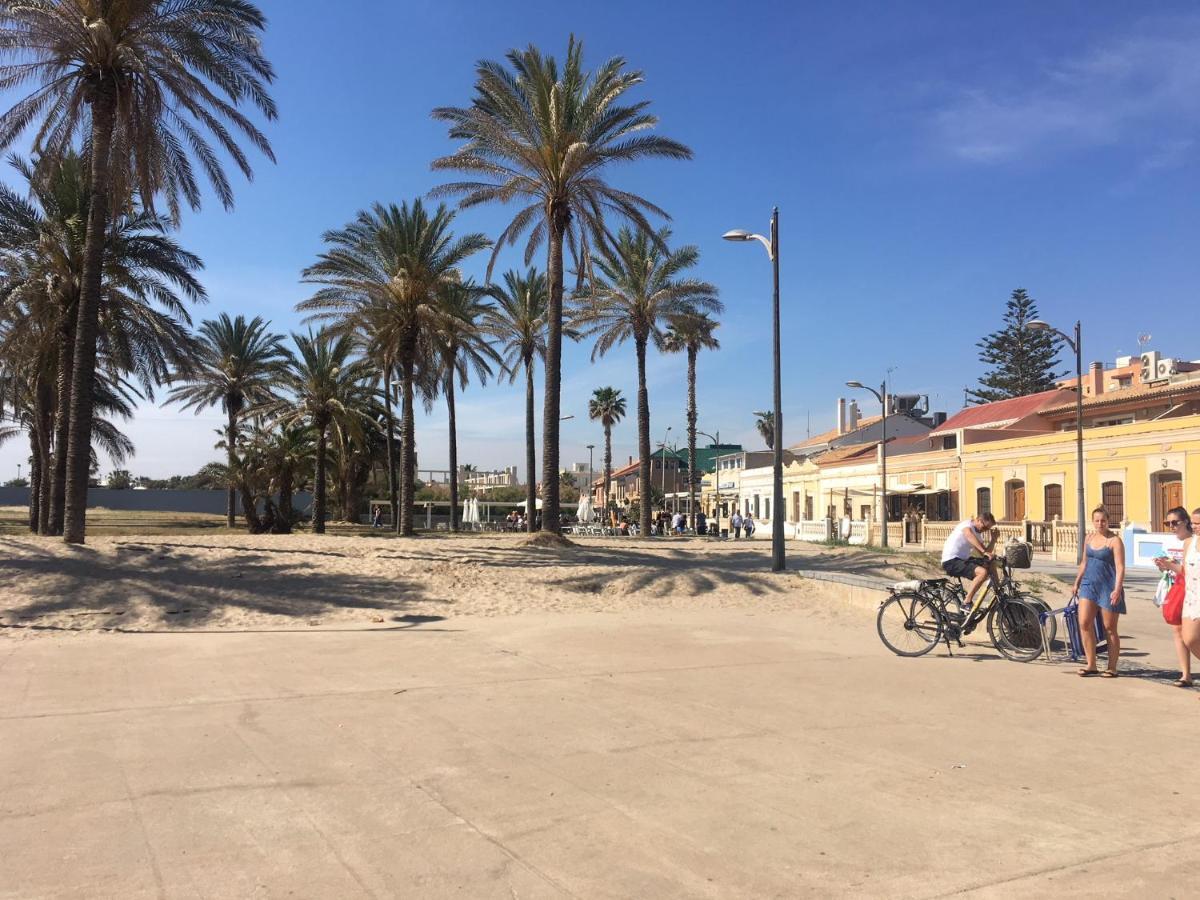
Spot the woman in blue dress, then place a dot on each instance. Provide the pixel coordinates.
(1100, 587)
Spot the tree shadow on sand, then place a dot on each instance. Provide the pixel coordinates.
(188, 589)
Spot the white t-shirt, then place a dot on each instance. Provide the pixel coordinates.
(957, 546)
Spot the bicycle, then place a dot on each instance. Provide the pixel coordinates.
(916, 616)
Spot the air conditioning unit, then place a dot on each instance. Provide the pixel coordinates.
(1155, 368)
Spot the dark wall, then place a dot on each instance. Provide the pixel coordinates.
(150, 501)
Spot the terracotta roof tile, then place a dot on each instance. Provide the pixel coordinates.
(832, 434)
(1001, 412)
(1113, 398)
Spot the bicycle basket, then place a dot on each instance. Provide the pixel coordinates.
(1018, 554)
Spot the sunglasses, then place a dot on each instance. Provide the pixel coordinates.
(1175, 523)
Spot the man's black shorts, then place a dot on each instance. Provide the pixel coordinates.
(963, 568)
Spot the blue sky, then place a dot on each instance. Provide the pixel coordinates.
(926, 158)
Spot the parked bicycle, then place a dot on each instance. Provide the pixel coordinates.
(918, 615)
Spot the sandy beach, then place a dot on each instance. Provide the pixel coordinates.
(235, 582)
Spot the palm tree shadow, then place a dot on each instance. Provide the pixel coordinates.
(185, 589)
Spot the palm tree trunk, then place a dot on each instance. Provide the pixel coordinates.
(408, 449)
(453, 451)
(283, 524)
(254, 523)
(62, 416)
(530, 449)
(691, 429)
(391, 441)
(608, 504)
(79, 440)
(231, 460)
(319, 481)
(643, 413)
(43, 410)
(559, 219)
(35, 482)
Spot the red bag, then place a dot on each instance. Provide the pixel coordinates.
(1172, 608)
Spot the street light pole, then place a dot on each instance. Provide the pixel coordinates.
(778, 562)
(1075, 344)
(591, 457)
(1080, 499)
(716, 477)
(881, 396)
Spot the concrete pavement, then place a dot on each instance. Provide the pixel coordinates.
(665, 754)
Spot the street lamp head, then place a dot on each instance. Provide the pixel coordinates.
(854, 384)
(738, 234)
(1038, 325)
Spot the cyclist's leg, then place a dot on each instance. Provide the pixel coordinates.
(981, 575)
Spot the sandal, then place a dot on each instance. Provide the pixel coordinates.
(1109, 673)
(1087, 673)
(1182, 682)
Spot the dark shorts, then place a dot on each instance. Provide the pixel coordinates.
(963, 568)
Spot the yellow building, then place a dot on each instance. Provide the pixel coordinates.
(1137, 471)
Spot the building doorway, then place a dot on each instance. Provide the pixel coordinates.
(1014, 500)
(1166, 492)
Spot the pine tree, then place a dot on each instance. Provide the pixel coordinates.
(1021, 360)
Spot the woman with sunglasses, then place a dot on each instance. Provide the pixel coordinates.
(1190, 569)
(1181, 526)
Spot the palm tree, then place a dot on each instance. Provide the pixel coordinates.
(140, 81)
(543, 138)
(237, 366)
(42, 243)
(462, 343)
(691, 333)
(765, 423)
(518, 321)
(283, 455)
(323, 382)
(638, 290)
(381, 275)
(607, 407)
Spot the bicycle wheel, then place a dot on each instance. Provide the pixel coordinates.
(909, 624)
(1016, 630)
(1041, 606)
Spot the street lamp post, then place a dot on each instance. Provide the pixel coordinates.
(778, 562)
(666, 434)
(716, 477)
(1075, 344)
(881, 395)
(591, 457)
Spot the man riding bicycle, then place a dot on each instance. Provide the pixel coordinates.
(968, 552)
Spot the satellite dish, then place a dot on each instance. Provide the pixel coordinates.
(1144, 339)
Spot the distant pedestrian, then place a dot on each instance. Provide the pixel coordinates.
(377, 519)
(736, 524)
(678, 523)
(748, 526)
(701, 523)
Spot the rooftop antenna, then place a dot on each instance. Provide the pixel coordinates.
(1143, 339)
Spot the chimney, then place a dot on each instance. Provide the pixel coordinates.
(841, 417)
(1095, 380)
(852, 416)
(631, 460)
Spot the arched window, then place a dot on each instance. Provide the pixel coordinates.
(983, 501)
(1054, 507)
(1112, 494)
